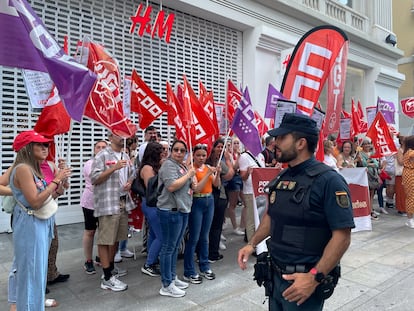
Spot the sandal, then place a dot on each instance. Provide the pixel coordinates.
(50, 303)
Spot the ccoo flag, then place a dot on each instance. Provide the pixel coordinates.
(244, 125)
(26, 43)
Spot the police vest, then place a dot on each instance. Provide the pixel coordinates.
(296, 227)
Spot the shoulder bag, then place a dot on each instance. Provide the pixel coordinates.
(47, 210)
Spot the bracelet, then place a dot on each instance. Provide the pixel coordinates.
(252, 245)
(55, 182)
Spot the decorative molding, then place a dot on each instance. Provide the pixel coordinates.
(394, 79)
(272, 44)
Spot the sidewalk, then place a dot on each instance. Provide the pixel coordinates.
(377, 274)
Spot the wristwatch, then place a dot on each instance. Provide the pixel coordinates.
(319, 276)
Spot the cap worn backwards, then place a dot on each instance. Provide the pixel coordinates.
(293, 122)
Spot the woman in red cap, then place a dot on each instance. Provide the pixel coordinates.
(31, 235)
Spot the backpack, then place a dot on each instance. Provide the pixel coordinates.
(153, 191)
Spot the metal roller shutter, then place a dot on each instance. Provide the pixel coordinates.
(199, 48)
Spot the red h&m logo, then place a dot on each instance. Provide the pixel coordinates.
(159, 27)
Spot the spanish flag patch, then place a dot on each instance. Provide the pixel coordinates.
(342, 199)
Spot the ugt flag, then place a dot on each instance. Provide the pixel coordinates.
(26, 43)
(310, 65)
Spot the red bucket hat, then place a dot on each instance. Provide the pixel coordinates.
(27, 137)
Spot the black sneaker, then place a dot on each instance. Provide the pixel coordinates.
(389, 205)
(209, 275)
(194, 279)
(89, 268)
(213, 260)
(150, 270)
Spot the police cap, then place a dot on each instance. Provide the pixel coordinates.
(293, 122)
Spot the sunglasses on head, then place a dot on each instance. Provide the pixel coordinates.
(200, 147)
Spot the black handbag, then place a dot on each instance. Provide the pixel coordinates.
(138, 187)
(153, 191)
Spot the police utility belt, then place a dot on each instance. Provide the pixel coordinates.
(266, 269)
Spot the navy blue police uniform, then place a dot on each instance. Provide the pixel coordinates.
(306, 203)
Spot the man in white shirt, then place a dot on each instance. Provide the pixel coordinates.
(246, 164)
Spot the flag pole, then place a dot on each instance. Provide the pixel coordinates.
(225, 145)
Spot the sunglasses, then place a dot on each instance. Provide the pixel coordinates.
(46, 145)
(181, 150)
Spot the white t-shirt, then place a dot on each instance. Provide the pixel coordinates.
(246, 161)
(330, 161)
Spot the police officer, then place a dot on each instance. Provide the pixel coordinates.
(309, 221)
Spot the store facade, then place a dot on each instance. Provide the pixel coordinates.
(211, 41)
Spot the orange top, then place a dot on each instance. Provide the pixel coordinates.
(200, 173)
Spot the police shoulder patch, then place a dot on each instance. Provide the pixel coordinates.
(272, 197)
(342, 199)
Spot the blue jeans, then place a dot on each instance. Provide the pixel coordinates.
(173, 225)
(199, 224)
(154, 234)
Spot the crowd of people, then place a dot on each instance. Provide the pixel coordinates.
(198, 193)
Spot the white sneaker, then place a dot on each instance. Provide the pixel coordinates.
(383, 210)
(118, 272)
(172, 291)
(180, 284)
(118, 257)
(222, 246)
(376, 213)
(238, 231)
(127, 253)
(223, 238)
(114, 284)
(410, 223)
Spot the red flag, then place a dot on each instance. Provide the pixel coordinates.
(207, 101)
(407, 105)
(105, 103)
(381, 138)
(175, 113)
(54, 119)
(261, 125)
(320, 152)
(233, 99)
(310, 65)
(145, 102)
(363, 124)
(356, 121)
(346, 115)
(201, 125)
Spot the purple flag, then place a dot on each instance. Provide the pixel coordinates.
(244, 125)
(387, 109)
(273, 96)
(26, 43)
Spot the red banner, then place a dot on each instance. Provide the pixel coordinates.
(357, 180)
(261, 177)
(310, 65)
(380, 135)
